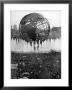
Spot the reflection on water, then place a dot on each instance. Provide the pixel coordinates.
(46, 46)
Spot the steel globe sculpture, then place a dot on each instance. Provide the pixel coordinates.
(34, 28)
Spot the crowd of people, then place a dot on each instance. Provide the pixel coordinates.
(36, 65)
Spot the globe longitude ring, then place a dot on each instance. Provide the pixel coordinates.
(34, 27)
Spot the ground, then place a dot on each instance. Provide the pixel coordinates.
(36, 65)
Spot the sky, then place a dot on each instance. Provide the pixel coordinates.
(54, 17)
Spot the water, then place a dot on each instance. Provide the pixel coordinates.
(46, 46)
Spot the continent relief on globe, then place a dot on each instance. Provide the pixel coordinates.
(34, 27)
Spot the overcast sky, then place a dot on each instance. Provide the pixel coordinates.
(54, 17)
